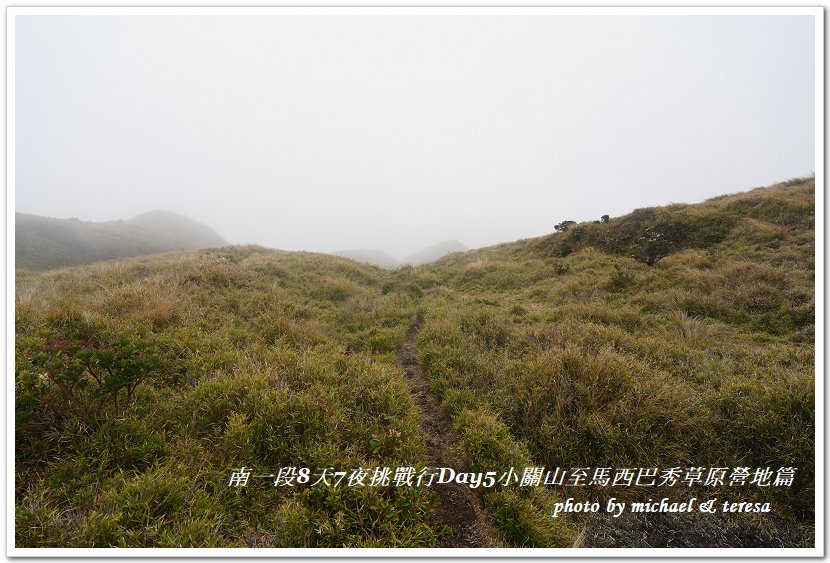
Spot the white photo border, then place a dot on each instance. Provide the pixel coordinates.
(444, 553)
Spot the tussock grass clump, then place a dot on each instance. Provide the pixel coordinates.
(695, 331)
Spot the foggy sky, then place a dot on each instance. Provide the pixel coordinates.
(392, 132)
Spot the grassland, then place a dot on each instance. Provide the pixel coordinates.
(676, 336)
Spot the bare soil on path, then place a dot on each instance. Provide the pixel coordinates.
(458, 507)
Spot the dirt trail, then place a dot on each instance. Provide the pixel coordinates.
(458, 508)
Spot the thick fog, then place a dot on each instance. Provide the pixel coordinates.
(396, 132)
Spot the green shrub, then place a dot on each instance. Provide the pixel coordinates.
(77, 372)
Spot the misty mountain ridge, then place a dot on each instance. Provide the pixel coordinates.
(383, 260)
(370, 256)
(45, 243)
(434, 252)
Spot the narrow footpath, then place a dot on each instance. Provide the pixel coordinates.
(458, 508)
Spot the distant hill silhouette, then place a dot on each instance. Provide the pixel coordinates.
(433, 253)
(383, 260)
(44, 243)
(370, 256)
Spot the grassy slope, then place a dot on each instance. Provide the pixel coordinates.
(562, 350)
(586, 356)
(271, 359)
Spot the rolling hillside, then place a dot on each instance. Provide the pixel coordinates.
(680, 336)
(45, 243)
